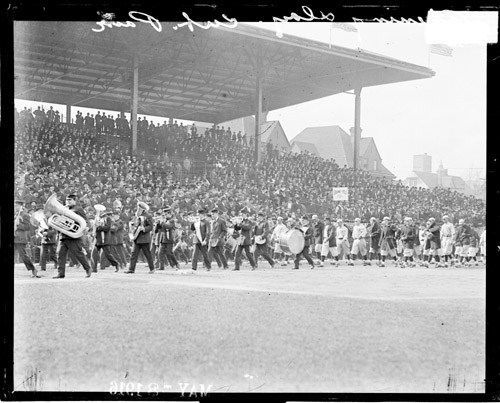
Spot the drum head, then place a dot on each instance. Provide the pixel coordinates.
(296, 241)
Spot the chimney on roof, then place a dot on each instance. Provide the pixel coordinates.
(351, 130)
(441, 172)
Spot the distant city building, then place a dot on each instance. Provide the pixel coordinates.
(422, 177)
(422, 163)
(331, 142)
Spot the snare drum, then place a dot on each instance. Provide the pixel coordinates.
(292, 241)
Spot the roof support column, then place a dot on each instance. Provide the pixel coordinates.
(133, 114)
(68, 114)
(258, 117)
(357, 128)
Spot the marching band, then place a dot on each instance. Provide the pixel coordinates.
(163, 239)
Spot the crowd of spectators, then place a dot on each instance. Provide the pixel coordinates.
(56, 157)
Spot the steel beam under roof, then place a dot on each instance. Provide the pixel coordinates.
(207, 75)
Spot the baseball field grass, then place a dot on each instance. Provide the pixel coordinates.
(331, 329)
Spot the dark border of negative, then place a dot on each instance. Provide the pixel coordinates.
(249, 10)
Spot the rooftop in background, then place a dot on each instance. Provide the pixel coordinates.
(333, 142)
(205, 75)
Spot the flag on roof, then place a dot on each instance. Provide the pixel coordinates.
(443, 50)
(344, 27)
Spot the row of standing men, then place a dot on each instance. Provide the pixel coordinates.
(210, 239)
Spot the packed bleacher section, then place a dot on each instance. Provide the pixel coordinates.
(189, 167)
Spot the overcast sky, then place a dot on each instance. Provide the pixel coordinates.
(443, 116)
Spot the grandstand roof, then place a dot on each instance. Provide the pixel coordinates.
(205, 75)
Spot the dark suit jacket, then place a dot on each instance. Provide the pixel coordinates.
(375, 233)
(408, 236)
(145, 236)
(331, 236)
(308, 235)
(204, 229)
(218, 232)
(318, 232)
(388, 233)
(22, 232)
(245, 231)
(116, 232)
(49, 236)
(262, 229)
(167, 230)
(464, 234)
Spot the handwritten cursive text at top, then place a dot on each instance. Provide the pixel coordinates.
(209, 24)
(295, 17)
(136, 16)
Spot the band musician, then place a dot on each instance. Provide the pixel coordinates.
(244, 240)
(21, 234)
(166, 229)
(118, 231)
(49, 242)
(104, 241)
(308, 232)
(143, 224)
(201, 229)
(73, 245)
(261, 231)
(218, 231)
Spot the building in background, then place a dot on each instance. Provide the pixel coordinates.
(271, 132)
(422, 163)
(298, 147)
(422, 177)
(332, 142)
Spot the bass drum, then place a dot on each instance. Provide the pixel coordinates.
(231, 244)
(292, 241)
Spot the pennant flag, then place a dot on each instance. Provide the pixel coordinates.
(344, 27)
(443, 50)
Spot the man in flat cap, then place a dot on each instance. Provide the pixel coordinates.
(218, 233)
(387, 241)
(73, 245)
(118, 232)
(244, 230)
(166, 227)
(433, 242)
(103, 242)
(261, 231)
(201, 229)
(143, 240)
(21, 234)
